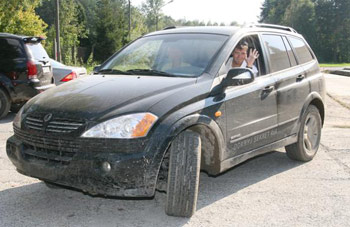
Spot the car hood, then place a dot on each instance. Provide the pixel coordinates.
(97, 96)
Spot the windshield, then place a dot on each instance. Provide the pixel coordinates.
(167, 55)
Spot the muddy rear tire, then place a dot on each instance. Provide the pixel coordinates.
(183, 176)
(309, 136)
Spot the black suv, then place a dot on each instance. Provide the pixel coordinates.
(167, 106)
(25, 71)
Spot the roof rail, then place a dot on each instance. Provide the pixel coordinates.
(275, 27)
(169, 27)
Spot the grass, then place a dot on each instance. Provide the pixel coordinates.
(334, 64)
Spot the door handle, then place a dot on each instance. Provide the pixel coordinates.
(300, 77)
(268, 89)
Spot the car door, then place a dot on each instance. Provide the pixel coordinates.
(251, 113)
(292, 90)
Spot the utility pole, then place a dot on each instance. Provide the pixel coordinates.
(58, 49)
(129, 20)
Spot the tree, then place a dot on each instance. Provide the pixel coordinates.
(72, 27)
(273, 11)
(324, 23)
(111, 28)
(300, 15)
(152, 10)
(332, 18)
(19, 17)
(138, 23)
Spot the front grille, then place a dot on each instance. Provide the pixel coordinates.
(48, 155)
(47, 142)
(55, 125)
(47, 149)
(61, 149)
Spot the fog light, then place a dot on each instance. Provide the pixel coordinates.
(106, 167)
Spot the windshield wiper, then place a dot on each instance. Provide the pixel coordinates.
(150, 72)
(114, 71)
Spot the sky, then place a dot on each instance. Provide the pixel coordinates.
(226, 11)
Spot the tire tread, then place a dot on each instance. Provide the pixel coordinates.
(183, 178)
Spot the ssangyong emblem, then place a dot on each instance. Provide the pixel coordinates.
(47, 117)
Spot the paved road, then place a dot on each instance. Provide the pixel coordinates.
(270, 190)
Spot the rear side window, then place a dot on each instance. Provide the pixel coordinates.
(11, 49)
(291, 56)
(276, 50)
(38, 51)
(303, 53)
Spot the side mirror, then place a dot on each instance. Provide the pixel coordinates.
(238, 76)
(96, 69)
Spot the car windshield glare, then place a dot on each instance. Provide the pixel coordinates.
(168, 55)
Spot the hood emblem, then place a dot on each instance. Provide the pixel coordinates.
(47, 117)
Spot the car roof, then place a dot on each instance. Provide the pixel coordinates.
(227, 30)
(9, 35)
(25, 38)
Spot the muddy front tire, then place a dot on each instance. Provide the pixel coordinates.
(183, 176)
(309, 136)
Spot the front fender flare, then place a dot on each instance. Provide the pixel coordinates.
(194, 122)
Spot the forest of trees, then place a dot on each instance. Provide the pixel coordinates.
(92, 30)
(325, 24)
(89, 29)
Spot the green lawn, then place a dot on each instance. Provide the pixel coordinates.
(334, 64)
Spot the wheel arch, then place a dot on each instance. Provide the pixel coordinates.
(212, 140)
(316, 100)
(320, 106)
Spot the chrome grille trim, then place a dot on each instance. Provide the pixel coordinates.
(66, 123)
(61, 127)
(36, 128)
(35, 119)
(36, 122)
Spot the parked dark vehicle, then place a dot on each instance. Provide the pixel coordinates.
(63, 73)
(165, 107)
(25, 71)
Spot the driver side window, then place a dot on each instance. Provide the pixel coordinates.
(241, 52)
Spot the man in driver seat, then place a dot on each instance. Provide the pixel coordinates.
(240, 57)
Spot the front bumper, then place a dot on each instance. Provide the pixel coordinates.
(131, 174)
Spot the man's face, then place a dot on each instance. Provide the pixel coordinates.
(239, 55)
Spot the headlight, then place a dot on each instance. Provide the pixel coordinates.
(18, 119)
(128, 126)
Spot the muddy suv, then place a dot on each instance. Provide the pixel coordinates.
(25, 71)
(166, 107)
